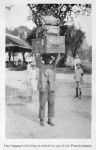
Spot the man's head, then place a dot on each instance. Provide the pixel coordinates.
(47, 58)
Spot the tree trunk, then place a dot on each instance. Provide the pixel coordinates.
(23, 54)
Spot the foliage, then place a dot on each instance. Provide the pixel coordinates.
(31, 35)
(21, 31)
(73, 38)
(63, 12)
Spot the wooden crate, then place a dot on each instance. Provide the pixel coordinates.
(49, 44)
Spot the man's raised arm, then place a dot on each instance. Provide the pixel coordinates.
(56, 60)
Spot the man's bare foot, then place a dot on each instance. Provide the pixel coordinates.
(50, 122)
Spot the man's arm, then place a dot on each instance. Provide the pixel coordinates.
(56, 60)
(39, 61)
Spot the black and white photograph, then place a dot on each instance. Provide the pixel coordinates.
(48, 71)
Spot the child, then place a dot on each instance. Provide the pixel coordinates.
(79, 79)
(28, 70)
(28, 67)
(32, 80)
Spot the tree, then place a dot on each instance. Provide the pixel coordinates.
(21, 31)
(63, 12)
(31, 35)
(73, 39)
(10, 31)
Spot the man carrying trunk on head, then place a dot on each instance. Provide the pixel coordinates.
(46, 84)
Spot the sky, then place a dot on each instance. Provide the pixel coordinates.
(18, 15)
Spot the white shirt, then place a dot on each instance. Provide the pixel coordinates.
(32, 74)
(32, 79)
(78, 74)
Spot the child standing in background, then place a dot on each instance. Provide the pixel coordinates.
(78, 79)
(32, 80)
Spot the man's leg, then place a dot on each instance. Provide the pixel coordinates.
(42, 103)
(51, 102)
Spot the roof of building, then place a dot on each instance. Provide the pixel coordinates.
(16, 41)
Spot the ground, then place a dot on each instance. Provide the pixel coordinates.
(72, 115)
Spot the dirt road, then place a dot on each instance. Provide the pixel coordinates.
(72, 116)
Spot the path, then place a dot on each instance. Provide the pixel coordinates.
(72, 116)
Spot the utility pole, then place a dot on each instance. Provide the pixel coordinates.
(8, 7)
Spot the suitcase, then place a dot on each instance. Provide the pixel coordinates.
(49, 44)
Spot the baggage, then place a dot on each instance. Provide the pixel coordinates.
(49, 44)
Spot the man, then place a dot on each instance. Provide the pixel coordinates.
(46, 85)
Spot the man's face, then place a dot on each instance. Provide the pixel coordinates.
(47, 61)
